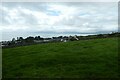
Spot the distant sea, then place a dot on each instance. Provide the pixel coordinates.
(7, 36)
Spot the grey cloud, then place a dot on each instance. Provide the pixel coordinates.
(97, 16)
(28, 19)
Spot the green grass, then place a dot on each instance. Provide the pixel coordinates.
(77, 59)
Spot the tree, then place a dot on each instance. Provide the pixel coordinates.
(39, 37)
(100, 35)
(36, 38)
(54, 37)
(72, 38)
(20, 39)
(60, 37)
(13, 40)
(29, 39)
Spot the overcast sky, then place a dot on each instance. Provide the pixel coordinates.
(72, 17)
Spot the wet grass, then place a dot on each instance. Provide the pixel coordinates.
(77, 59)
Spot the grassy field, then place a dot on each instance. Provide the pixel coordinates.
(76, 59)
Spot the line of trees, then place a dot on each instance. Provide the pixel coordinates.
(20, 41)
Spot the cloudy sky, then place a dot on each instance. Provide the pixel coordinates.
(63, 17)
